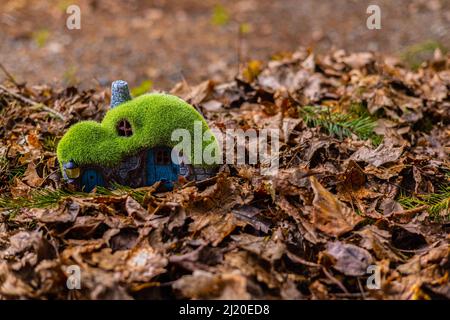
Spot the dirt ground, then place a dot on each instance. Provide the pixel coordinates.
(166, 41)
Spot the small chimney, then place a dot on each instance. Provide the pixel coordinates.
(119, 93)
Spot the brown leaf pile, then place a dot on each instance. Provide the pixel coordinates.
(309, 233)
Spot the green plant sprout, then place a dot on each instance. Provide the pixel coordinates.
(414, 55)
(41, 37)
(220, 15)
(144, 87)
(11, 169)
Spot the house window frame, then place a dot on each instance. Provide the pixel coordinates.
(162, 157)
(124, 128)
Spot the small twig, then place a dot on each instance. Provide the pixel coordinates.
(334, 280)
(183, 79)
(349, 295)
(299, 260)
(409, 211)
(361, 288)
(34, 104)
(8, 75)
(239, 50)
(18, 96)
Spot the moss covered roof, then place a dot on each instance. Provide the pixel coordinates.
(153, 118)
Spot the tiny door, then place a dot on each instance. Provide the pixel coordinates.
(90, 179)
(160, 167)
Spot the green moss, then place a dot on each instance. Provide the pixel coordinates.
(220, 16)
(41, 37)
(70, 76)
(414, 55)
(153, 118)
(143, 88)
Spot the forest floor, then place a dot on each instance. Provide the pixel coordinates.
(362, 191)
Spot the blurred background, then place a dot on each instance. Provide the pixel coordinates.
(155, 44)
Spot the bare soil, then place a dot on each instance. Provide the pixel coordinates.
(166, 41)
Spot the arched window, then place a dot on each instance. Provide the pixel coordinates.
(124, 128)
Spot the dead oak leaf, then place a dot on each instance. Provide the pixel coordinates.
(99, 284)
(354, 177)
(12, 286)
(33, 141)
(329, 214)
(135, 210)
(349, 259)
(250, 265)
(195, 95)
(214, 227)
(66, 212)
(19, 188)
(144, 263)
(377, 240)
(108, 260)
(305, 226)
(268, 249)
(206, 285)
(384, 173)
(439, 255)
(384, 153)
(31, 177)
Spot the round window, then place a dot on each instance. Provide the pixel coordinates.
(124, 128)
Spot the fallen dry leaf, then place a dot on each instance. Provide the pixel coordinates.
(329, 214)
(205, 285)
(384, 153)
(336, 205)
(349, 259)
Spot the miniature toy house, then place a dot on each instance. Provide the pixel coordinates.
(132, 146)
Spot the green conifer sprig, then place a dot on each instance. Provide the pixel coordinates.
(438, 203)
(341, 124)
(43, 198)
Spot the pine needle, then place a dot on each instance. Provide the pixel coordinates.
(339, 124)
(137, 194)
(43, 198)
(438, 204)
(40, 198)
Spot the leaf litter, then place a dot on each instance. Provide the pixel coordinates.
(363, 181)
